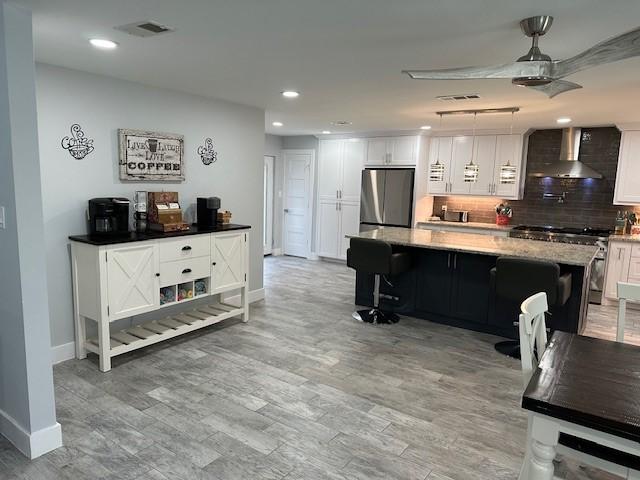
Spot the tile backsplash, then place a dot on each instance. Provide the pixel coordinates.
(588, 201)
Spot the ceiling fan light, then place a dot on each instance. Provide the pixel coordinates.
(531, 81)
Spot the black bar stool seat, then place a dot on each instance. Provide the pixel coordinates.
(377, 258)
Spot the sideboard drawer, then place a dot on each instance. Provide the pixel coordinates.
(180, 271)
(189, 246)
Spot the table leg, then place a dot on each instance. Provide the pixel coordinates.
(542, 441)
(104, 345)
(524, 469)
(541, 461)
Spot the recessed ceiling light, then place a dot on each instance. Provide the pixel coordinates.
(326, 132)
(290, 94)
(103, 43)
(425, 127)
(563, 120)
(277, 124)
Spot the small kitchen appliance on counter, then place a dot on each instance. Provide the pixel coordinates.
(455, 216)
(207, 211)
(164, 212)
(108, 216)
(140, 207)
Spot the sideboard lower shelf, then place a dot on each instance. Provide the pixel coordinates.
(169, 327)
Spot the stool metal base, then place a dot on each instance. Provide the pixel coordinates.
(375, 316)
(510, 348)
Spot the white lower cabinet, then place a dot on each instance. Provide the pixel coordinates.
(228, 262)
(116, 281)
(619, 258)
(335, 221)
(132, 284)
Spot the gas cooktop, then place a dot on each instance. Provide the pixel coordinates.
(581, 236)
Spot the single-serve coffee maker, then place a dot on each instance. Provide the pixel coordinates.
(108, 216)
(207, 211)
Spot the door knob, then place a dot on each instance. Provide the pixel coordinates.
(286, 210)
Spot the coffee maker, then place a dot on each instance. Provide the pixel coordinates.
(207, 211)
(108, 216)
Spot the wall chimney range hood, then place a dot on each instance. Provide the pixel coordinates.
(568, 165)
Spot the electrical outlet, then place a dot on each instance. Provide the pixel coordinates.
(2, 221)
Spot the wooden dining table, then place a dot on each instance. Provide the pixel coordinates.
(586, 391)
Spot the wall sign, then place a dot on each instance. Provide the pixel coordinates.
(151, 156)
(207, 153)
(77, 144)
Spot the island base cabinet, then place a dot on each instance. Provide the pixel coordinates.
(113, 282)
(454, 285)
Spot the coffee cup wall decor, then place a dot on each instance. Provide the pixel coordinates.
(77, 144)
(207, 153)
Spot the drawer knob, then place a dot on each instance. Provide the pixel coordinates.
(186, 248)
(157, 274)
(214, 264)
(186, 270)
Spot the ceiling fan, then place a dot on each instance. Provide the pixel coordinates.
(535, 69)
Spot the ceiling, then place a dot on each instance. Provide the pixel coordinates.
(345, 56)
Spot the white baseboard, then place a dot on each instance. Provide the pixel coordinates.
(62, 353)
(313, 256)
(276, 252)
(31, 445)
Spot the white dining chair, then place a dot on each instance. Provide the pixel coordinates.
(626, 292)
(533, 343)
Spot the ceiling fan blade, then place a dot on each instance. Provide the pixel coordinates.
(617, 48)
(556, 87)
(508, 70)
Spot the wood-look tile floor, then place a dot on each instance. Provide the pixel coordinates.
(300, 392)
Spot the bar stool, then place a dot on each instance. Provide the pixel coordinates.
(378, 258)
(514, 280)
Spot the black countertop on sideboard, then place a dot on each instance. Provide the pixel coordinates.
(151, 235)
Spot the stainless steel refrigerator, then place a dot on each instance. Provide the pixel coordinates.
(386, 198)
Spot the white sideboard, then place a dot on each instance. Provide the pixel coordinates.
(112, 281)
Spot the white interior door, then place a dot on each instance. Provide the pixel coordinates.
(268, 205)
(298, 175)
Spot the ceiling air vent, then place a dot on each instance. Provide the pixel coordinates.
(457, 98)
(145, 28)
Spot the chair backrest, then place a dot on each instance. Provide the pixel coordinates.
(533, 333)
(630, 292)
(369, 256)
(517, 279)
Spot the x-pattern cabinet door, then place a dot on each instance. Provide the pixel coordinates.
(132, 284)
(228, 258)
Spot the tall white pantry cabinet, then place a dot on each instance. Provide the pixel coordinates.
(112, 281)
(340, 164)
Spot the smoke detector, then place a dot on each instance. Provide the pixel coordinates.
(459, 97)
(145, 28)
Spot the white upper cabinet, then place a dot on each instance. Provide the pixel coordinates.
(508, 154)
(439, 165)
(329, 168)
(392, 151)
(461, 156)
(484, 156)
(490, 154)
(352, 165)
(627, 190)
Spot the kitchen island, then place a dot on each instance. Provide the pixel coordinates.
(450, 279)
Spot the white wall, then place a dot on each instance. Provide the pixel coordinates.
(101, 105)
(27, 408)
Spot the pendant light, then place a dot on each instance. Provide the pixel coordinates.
(436, 170)
(508, 171)
(471, 169)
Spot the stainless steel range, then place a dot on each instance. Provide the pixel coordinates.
(578, 236)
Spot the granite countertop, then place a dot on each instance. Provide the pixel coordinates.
(564, 253)
(625, 238)
(485, 226)
(151, 235)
